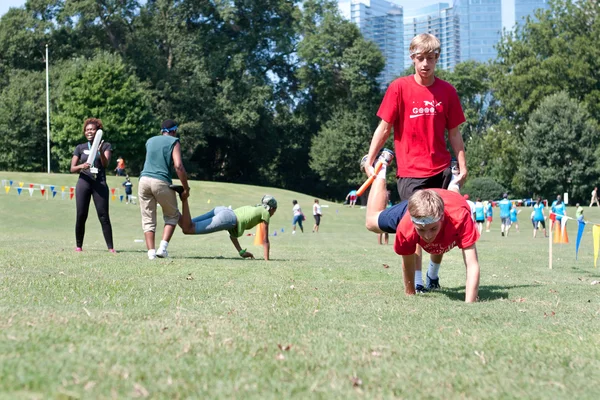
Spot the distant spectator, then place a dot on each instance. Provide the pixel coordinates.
(317, 215)
(351, 198)
(128, 190)
(120, 170)
(594, 197)
(298, 217)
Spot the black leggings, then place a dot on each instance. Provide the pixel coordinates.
(86, 189)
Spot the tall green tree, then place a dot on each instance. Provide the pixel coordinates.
(23, 123)
(547, 56)
(104, 88)
(558, 153)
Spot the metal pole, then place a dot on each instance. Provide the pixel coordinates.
(47, 111)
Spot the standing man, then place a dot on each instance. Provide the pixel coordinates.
(504, 205)
(421, 108)
(317, 215)
(594, 197)
(163, 154)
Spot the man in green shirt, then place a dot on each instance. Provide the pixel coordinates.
(163, 155)
(234, 221)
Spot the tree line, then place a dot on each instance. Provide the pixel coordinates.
(284, 93)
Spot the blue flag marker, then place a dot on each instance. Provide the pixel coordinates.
(53, 193)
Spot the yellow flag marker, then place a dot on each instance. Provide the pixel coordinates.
(596, 235)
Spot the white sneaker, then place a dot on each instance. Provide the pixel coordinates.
(152, 257)
(293, 232)
(151, 254)
(160, 253)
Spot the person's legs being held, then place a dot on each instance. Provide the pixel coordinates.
(218, 219)
(376, 202)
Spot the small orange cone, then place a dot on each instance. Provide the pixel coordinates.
(258, 239)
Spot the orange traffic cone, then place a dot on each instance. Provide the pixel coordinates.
(258, 239)
(564, 238)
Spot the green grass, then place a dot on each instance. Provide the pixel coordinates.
(207, 324)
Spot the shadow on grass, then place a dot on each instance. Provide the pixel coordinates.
(486, 293)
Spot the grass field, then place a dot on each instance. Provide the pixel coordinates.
(323, 319)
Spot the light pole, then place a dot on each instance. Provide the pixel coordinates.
(47, 111)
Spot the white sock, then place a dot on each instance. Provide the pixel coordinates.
(418, 278)
(382, 171)
(163, 245)
(433, 270)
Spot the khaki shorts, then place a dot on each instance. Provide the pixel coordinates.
(150, 192)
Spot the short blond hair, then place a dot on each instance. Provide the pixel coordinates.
(425, 43)
(426, 203)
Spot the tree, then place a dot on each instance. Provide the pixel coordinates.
(23, 123)
(483, 188)
(103, 88)
(547, 56)
(495, 154)
(558, 150)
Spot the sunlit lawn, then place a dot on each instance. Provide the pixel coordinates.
(324, 319)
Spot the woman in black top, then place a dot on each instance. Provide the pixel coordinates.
(92, 184)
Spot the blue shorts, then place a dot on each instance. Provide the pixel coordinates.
(390, 217)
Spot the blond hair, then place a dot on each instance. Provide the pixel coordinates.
(426, 203)
(425, 43)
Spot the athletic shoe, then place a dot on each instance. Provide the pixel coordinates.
(78, 249)
(151, 257)
(433, 284)
(385, 156)
(112, 251)
(178, 188)
(160, 253)
(502, 233)
(420, 289)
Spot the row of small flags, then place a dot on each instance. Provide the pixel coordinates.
(560, 233)
(50, 189)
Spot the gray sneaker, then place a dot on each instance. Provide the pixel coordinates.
(386, 156)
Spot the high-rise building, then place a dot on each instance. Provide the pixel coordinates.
(525, 8)
(439, 20)
(480, 28)
(381, 22)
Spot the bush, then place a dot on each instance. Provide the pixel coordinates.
(484, 188)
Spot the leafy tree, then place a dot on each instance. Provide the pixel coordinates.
(558, 151)
(495, 154)
(483, 188)
(102, 88)
(547, 56)
(23, 123)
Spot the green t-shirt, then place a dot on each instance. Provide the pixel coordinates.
(248, 217)
(579, 212)
(159, 157)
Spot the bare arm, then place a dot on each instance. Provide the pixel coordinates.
(381, 135)
(408, 272)
(77, 168)
(105, 155)
(472, 266)
(236, 244)
(180, 170)
(458, 146)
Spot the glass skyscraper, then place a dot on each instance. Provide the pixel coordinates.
(439, 20)
(381, 22)
(525, 8)
(480, 28)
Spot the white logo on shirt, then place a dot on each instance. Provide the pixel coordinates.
(429, 109)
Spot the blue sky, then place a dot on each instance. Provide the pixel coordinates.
(6, 4)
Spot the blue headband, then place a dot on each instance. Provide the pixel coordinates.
(169, 129)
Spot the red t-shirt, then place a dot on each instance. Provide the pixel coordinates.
(458, 228)
(421, 115)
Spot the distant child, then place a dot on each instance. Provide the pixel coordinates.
(538, 217)
(479, 214)
(513, 217)
(128, 190)
(579, 213)
(489, 215)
